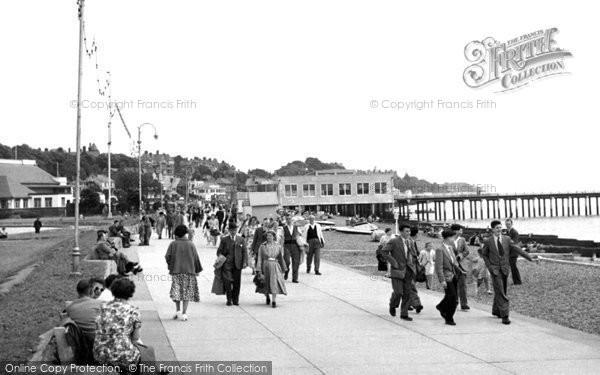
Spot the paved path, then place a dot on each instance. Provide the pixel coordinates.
(338, 323)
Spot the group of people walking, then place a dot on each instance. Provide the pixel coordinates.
(498, 252)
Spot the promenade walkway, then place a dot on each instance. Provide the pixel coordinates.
(338, 323)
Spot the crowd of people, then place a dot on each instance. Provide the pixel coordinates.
(450, 263)
(109, 327)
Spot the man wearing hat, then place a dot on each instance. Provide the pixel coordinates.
(313, 236)
(233, 247)
(105, 250)
(461, 251)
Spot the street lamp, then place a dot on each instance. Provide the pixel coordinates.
(140, 158)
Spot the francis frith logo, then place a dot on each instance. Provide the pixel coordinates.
(514, 63)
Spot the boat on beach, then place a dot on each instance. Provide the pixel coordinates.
(360, 228)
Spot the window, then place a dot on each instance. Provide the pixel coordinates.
(326, 190)
(362, 188)
(345, 189)
(3, 204)
(291, 191)
(37, 202)
(63, 202)
(380, 188)
(48, 202)
(17, 203)
(308, 190)
(25, 203)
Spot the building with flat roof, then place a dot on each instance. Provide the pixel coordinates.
(338, 190)
(28, 191)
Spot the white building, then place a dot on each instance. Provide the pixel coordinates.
(26, 188)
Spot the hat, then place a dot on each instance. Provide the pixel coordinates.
(101, 231)
(233, 225)
(273, 232)
(456, 227)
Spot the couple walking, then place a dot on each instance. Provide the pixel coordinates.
(232, 258)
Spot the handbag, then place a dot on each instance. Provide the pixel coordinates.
(420, 276)
(381, 262)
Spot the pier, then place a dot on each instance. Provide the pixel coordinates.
(463, 206)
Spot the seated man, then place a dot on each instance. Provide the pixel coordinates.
(105, 250)
(3, 233)
(84, 311)
(117, 230)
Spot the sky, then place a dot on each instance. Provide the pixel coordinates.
(262, 83)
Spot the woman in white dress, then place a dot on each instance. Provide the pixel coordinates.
(272, 266)
(426, 259)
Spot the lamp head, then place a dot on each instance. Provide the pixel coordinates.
(155, 136)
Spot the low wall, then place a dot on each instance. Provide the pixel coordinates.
(30, 213)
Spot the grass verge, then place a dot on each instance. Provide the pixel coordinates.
(31, 308)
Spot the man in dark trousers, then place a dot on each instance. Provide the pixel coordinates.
(291, 251)
(313, 236)
(233, 247)
(37, 225)
(260, 236)
(447, 271)
(461, 252)
(402, 256)
(496, 253)
(415, 301)
(514, 236)
(221, 217)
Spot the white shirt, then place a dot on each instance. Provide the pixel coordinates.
(451, 253)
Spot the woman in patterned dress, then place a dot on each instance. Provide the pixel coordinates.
(118, 330)
(184, 266)
(272, 266)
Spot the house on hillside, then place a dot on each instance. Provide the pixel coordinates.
(29, 191)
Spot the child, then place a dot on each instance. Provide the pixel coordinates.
(426, 259)
(481, 271)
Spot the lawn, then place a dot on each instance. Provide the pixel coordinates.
(21, 250)
(561, 293)
(33, 307)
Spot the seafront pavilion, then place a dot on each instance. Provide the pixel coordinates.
(492, 205)
(338, 190)
(339, 323)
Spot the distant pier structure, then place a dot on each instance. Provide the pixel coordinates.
(463, 206)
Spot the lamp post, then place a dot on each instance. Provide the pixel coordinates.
(140, 158)
(76, 254)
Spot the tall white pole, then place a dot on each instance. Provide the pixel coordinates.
(109, 180)
(140, 167)
(76, 254)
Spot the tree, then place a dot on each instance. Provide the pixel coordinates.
(90, 202)
(126, 180)
(259, 173)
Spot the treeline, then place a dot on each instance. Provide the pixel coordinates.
(59, 162)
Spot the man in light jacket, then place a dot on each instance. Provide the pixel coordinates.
(313, 236)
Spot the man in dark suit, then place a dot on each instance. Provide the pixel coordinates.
(402, 257)
(291, 251)
(233, 247)
(447, 271)
(415, 301)
(461, 252)
(514, 236)
(496, 252)
(260, 236)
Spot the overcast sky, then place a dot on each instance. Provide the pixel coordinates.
(268, 82)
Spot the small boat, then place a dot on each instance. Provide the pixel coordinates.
(361, 228)
(325, 225)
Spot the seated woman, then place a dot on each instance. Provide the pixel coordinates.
(105, 250)
(118, 331)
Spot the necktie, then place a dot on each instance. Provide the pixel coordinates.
(406, 249)
(500, 248)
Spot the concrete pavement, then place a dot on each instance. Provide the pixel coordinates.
(338, 323)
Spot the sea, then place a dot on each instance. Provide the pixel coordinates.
(575, 227)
